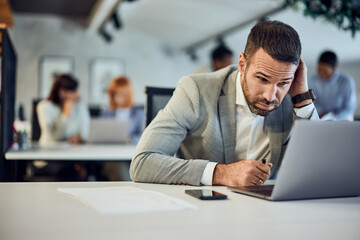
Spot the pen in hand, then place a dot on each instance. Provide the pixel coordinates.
(264, 162)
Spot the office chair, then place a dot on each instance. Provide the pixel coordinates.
(35, 126)
(95, 111)
(156, 99)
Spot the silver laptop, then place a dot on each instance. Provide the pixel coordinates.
(104, 130)
(322, 160)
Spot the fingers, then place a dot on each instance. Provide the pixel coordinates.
(242, 173)
(265, 168)
(256, 182)
(258, 174)
(76, 139)
(303, 64)
(263, 174)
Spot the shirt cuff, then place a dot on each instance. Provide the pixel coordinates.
(208, 173)
(305, 112)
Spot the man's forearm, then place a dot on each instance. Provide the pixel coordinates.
(158, 168)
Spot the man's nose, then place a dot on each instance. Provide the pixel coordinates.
(270, 93)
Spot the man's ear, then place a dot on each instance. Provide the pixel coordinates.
(242, 63)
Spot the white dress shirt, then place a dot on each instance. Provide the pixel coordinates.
(252, 138)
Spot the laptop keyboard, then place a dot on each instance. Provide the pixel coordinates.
(265, 190)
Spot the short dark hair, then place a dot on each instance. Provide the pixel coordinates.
(220, 51)
(277, 39)
(329, 57)
(63, 81)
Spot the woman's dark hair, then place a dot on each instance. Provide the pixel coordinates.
(277, 39)
(65, 82)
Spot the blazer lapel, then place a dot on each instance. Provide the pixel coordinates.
(274, 123)
(227, 115)
(280, 124)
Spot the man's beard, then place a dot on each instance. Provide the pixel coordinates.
(251, 102)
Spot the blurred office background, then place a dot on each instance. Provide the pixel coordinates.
(156, 42)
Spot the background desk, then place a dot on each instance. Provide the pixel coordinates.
(86, 152)
(66, 152)
(38, 211)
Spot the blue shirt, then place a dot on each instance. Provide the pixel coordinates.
(335, 95)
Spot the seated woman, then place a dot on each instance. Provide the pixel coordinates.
(62, 117)
(121, 107)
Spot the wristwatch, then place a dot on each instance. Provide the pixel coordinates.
(304, 96)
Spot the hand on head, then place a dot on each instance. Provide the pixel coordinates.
(299, 84)
(69, 99)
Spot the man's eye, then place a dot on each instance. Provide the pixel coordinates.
(262, 79)
(283, 84)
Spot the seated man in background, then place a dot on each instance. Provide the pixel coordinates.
(335, 91)
(217, 127)
(221, 57)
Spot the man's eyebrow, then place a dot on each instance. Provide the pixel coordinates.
(267, 76)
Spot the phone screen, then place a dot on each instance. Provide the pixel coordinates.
(206, 194)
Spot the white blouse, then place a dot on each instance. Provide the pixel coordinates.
(57, 127)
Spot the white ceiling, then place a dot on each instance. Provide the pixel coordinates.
(183, 23)
(179, 24)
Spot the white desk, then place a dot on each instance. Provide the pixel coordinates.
(86, 152)
(38, 211)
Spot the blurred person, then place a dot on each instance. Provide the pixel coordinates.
(221, 57)
(63, 117)
(121, 107)
(335, 91)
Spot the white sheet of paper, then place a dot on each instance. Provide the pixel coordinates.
(115, 200)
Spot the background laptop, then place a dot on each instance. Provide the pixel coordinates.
(109, 131)
(322, 160)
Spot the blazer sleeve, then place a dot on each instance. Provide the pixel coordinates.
(154, 159)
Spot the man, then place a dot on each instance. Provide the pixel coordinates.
(221, 57)
(221, 125)
(335, 91)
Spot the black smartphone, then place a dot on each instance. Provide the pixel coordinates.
(205, 194)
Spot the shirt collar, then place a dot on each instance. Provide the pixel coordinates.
(240, 98)
(334, 77)
(332, 80)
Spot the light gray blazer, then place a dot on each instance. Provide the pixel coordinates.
(199, 125)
